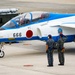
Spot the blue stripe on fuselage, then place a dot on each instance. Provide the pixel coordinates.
(70, 38)
(58, 16)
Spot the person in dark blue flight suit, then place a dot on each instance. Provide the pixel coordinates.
(61, 49)
(49, 50)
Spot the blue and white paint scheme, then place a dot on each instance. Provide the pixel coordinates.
(38, 25)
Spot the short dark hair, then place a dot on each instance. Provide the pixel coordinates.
(49, 36)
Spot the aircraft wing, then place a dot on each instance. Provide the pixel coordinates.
(68, 25)
(68, 28)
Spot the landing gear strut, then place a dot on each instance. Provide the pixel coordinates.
(1, 50)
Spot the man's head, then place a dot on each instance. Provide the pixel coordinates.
(49, 36)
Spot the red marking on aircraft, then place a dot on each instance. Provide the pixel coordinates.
(29, 34)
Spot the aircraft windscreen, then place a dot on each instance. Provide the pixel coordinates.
(9, 24)
(23, 19)
(13, 23)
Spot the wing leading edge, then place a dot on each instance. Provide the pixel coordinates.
(68, 25)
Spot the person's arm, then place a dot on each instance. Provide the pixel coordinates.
(46, 48)
(64, 38)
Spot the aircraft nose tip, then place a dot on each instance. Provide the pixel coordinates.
(2, 28)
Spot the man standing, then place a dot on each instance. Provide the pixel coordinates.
(60, 42)
(49, 50)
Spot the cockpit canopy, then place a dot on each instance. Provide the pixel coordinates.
(25, 19)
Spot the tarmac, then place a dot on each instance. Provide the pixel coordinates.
(63, 6)
(29, 57)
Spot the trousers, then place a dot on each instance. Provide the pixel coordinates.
(50, 57)
(61, 57)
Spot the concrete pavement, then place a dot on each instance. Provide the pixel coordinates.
(28, 58)
(64, 6)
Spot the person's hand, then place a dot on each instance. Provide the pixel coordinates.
(63, 50)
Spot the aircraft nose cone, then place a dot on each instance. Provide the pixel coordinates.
(2, 28)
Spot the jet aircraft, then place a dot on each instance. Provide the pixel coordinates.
(37, 25)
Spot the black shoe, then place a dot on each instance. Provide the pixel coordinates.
(49, 65)
(60, 64)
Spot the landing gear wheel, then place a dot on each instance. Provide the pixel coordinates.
(2, 54)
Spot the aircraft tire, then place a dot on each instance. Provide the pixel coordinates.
(2, 54)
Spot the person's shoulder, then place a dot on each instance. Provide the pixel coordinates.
(52, 39)
(47, 40)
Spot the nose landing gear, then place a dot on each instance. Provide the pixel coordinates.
(1, 50)
(2, 54)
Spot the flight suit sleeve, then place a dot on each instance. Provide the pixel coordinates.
(64, 38)
(46, 46)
